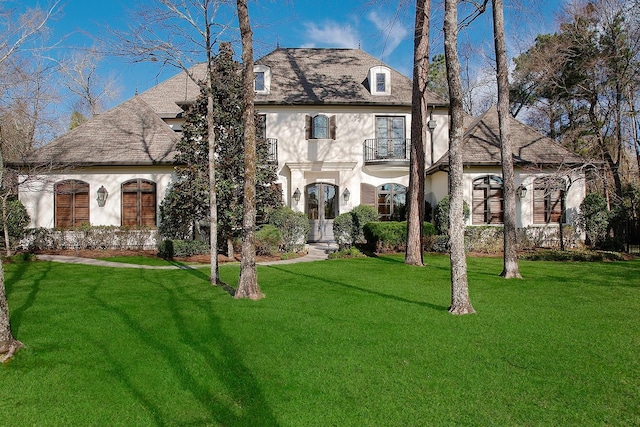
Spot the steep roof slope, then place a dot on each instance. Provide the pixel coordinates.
(165, 96)
(129, 134)
(329, 76)
(530, 147)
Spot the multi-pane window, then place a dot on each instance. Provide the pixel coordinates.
(139, 203)
(71, 201)
(488, 200)
(381, 82)
(392, 202)
(258, 83)
(548, 200)
(320, 126)
(390, 140)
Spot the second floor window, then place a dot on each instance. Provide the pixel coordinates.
(390, 140)
(321, 127)
(381, 82)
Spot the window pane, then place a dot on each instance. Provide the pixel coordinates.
(380, 82)
(259, 81)
(312, 202)
(320, 127)
(329, 201)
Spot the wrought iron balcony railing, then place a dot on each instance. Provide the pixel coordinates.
(272, 150)
(382, 150)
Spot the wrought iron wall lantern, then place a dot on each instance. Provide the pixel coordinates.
(346, 195)
(521, 192)
(296, 195)
(102, 196)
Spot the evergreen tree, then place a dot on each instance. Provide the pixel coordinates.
(185, 208)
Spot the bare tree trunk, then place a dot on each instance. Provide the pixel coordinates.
(460, 302)
(415, 218)
(230, 251)
(248, 282)
(5, 225)
(8, 344)
(510, 267)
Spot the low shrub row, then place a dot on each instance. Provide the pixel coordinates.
(390, 236)
(169, 249)
(90, 237)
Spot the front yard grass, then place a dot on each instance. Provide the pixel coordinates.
(349, 342)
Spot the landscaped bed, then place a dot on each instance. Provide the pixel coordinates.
(342, 342)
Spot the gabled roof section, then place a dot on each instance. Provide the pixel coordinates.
(166, 96)
(530, 147)
(129, 134)
(330, 76)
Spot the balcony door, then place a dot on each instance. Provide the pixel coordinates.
(390, 137)
(321, 206)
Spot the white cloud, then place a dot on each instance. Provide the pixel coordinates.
(391, 29)
(331, 34)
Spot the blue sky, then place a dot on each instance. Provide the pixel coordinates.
(377, 27)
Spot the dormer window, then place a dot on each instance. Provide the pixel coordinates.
(262, 82)
(380, 80)
(320, 127)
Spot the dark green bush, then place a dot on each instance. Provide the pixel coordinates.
(441, 215)
(268, 240)
(391, 236)
(347, 253)
(293, 226)
(17, 221)
(169, 249)
(594, 218)
(348, 227)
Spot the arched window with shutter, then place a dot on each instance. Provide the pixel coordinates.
(488, 203)
(549, 200)
(71, 203)
(139, 203)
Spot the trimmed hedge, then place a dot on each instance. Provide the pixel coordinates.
(169, 249)
(268, 240)
(391, 236)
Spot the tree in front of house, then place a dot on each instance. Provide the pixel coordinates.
(460, 302)
(184, 211)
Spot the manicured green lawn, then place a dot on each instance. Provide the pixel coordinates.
(364, 342)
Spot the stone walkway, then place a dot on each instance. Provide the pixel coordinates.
(316, 252)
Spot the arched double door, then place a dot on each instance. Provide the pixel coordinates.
(321, 207)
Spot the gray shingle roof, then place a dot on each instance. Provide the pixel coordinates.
(530, 147)
(165, 96)
(129, 134)
(329, 76)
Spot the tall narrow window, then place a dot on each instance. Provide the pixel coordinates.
(259, 81)
(139, 203)
(71, 202)
(391, 202)
(320, 127)
(390, 140)
(381, 81)
(548, 200)
(487, 200)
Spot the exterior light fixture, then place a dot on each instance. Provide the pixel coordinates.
(296, 195)
(102, 196)
(346, 195)
(521, 192)
(431, 124)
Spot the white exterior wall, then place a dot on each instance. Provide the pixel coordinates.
(340, 161)
(38, 198)
(524, 207)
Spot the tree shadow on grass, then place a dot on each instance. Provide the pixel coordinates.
(223, 358)
(18, 273)
(359, 289)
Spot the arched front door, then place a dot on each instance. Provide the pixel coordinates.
(321, 206)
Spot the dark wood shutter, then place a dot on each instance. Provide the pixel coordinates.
(139, 203)
(539, 211)
(332, 127)
(308, 126)
(367, 194)
(71, 201)
(479, 206)
(495, 206)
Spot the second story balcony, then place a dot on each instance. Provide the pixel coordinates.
(387, 152)
(268, 150)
